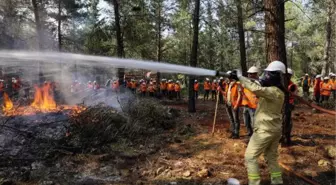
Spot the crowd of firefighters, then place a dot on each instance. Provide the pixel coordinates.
(323, 87)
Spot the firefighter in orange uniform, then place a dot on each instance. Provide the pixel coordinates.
(234, 98)
(151, 89)
(196, 89)
(333, 85)
(143, 88)
(207, 87)
(221, 90)
(213, 89)
(163, 87)
(170, 89)
(293, 89)
(317, 85)
(250, 102)
(177, 89)
(306, 83)
(133, 85)
(129, 84)
(325, 89)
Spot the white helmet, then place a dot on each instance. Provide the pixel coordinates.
(207, 79)
(318, 76)
(195, 80)
(306, 74)
(221, 78)
(290, 71)
(333, 75)
(214, 80)
(276, 66)
(253, 69)
(177, 81)
(326, 78)
(229, 72)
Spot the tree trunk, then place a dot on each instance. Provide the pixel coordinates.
(241, 38)
(275, 30)
(276, 49)
(159, 43)
(59, 26)
(39, 36)
(120, 44)
(193, 56)
(327, 47)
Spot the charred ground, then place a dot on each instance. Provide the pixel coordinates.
(151, 143)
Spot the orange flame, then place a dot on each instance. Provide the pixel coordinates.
(43, 102)
(8, 104)
(43, 98)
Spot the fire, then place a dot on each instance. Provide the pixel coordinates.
(8, 104)
(43, 102)
(43, 98)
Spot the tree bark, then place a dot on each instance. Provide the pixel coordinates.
(159, 42)
(327, 47)
(39, 36)
(120, 43)
(275, 30)
(37, 24)
(59, 26)
(241, 38)
(193, 56)
(276, 50)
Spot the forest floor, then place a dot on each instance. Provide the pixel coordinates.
(190, 154)
(202, 158)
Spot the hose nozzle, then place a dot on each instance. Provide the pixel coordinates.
(221, 73)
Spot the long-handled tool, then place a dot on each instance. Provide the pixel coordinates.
(214, 121)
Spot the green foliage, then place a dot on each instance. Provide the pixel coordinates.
(146, 23)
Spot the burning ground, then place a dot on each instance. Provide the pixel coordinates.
(146, 142)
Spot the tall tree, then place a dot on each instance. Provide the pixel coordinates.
(276, 49)
(39, 36)
(275, 30)
(328, 41)
(59, 26)
(193, 56)
(241, 38)
(159, 35)
(120, 42)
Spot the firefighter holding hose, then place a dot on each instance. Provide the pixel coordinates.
(268, 121)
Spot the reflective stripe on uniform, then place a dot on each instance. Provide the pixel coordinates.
(253, 176)
(276, 174)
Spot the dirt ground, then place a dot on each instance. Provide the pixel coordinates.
(201, 158)
(190, 154)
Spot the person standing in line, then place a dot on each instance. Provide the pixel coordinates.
(207, 87)
(293, 89)
(196, 89)
(221, 90)
(177, 89)
(306, 85)
(234, 99)
(250, 102)
(213, 90)
(317, 85)
(325, 89)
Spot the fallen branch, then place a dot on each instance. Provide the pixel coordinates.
(298, 174)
